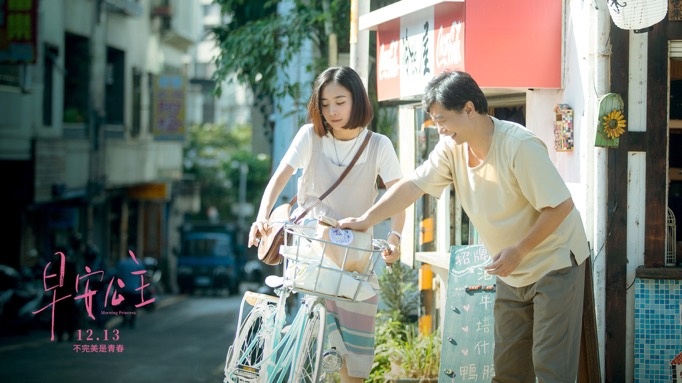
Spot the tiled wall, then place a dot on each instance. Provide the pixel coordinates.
(658, 332)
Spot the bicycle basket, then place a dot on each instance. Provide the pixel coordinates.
(327, 265)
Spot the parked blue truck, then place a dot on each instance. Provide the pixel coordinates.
(208, 258)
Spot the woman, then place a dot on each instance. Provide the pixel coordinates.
(340, 111)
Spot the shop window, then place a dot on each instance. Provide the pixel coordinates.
(428, 211)
(510, 113)
(425, 208)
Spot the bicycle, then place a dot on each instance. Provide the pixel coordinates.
(266, 347)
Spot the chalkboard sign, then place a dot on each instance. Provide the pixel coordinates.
(468, 341)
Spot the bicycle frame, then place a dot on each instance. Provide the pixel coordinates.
(264, 350)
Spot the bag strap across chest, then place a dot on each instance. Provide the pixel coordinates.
(343, 175)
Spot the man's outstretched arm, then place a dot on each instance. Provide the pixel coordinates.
(397, 198)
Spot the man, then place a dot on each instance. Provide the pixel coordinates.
(525, 216)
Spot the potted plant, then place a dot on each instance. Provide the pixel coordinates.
(402, 354)
(414, 357)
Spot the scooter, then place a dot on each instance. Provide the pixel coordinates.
(18, 300)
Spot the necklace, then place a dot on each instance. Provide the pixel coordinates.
(355, 141)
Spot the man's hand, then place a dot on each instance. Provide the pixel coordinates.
(505, 262)
(353, 224)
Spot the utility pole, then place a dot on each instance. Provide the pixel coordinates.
(96, 110)
(243, 211)
(329, 31)
(359, 41)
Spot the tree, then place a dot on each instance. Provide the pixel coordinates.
(213, 156)
(256, 41)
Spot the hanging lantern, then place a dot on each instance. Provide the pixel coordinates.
(638, 15)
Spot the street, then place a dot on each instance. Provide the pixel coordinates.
(184, 340)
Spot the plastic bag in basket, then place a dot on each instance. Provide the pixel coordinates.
(305, 274)
(356, 260)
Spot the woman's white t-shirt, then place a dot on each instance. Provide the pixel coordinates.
(299, 153)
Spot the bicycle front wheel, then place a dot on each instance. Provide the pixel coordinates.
(307, 365)
(245, 357)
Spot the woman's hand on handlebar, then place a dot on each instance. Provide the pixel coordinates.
(391, 255)
(257, 230)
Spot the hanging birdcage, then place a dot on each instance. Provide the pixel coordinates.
(670, 239)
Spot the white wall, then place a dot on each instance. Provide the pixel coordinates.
(585, 67)
(637, 89)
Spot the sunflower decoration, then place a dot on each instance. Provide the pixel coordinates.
(611, 123)
(614, 124)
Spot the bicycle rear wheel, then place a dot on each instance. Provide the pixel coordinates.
(307, 365)
(245, 356)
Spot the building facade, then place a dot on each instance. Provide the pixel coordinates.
(233, 106)
(93, 124)
(559, 67)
